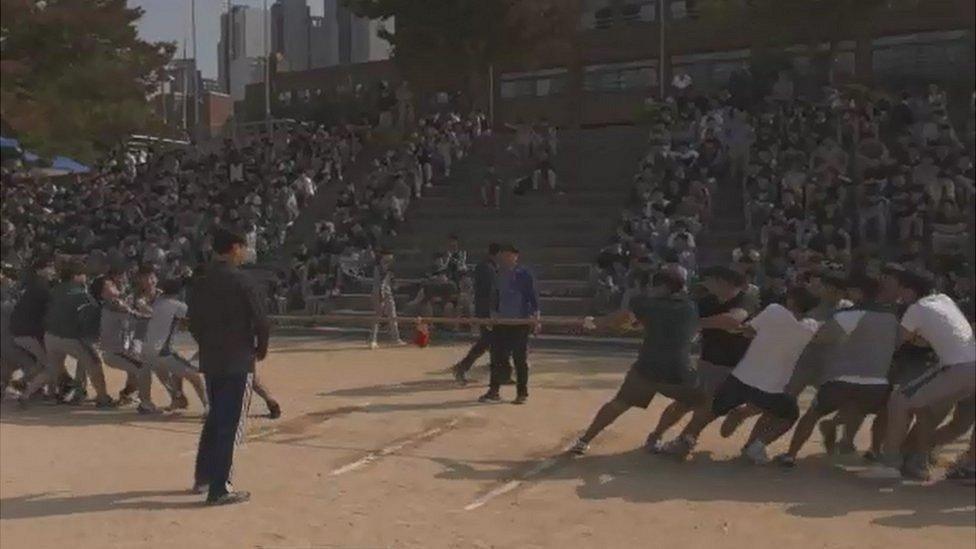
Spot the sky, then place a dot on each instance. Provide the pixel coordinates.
(169, 21)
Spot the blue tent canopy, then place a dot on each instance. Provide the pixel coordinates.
(68, 165)
(8, 143)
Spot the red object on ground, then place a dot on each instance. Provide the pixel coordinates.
(421, 337)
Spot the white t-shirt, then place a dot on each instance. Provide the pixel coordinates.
(165, 311)
(771, 358)
(938, 320)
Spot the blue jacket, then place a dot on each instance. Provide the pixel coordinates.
(516, 295)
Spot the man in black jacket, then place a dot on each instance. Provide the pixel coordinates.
(27, 317)
(228, 321)
(484, 296)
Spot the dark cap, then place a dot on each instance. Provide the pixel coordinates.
(508, 247)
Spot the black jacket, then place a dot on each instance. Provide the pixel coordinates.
(484, 288)
(228, 320)
(27, 318)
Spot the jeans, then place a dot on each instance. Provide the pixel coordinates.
(511, 342)
(222, 429)
(486, 344)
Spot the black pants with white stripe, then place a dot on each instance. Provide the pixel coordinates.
(215, 455)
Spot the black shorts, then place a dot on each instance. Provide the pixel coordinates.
(842, 395)
(734, 393)
(637, 391)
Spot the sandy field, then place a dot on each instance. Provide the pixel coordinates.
(381, 449)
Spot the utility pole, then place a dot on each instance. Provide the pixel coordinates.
(662, 56)
(196, 82)
(267, 70)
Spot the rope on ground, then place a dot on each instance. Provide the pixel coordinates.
(318, 320)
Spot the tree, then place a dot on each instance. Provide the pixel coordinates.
(75, 75)
(465, 37)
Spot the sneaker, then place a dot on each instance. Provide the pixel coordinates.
(579, 447)
(230, 498)
(400, 343)
(459, 376)
(828, 431)
(125, 397)
(679, 448)
(179, 402)
(785, 460)
(105, 403)
(490, 397)
(148, 409)
(274, 409)
(200, 488)
(961, 473)
(18, 385)
(916, 467)
(374, 345)
(756, 453)
(520, 399)
(653, 444)
(77, 397)
(871, 456)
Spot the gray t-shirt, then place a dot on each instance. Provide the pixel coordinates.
(862, 343)
(670, 324)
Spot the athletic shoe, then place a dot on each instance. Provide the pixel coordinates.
(125, 397)
(961, 473)
(490, 397)
(730, 424)
(653, 444)
(785, 460)
(105, 403)
(400, 343)
(756, 453)
(374, 345)
(230, 498)
(179, 402)
(579, 447)
(148, 409)
(520, 399)
(18, 385)
(274, 409)
(200, 488)
(459, 376)
(871, 456)
(679, 448)
(828, 430)
(916, 467)
(845, 448)
(77, 397)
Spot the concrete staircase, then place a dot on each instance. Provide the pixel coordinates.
(558, 235)
(727, 228)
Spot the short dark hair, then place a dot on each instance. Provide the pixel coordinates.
(669, 278)
(146, 269)
(725, 274)
(494, 248)
(834, 280)
(41, 263)
(171, 286)
(869, 286)
(508, 248)
(920, 282)
(72, 268)
(225, 238)
(802, 297)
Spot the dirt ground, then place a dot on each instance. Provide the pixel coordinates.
(380, 449)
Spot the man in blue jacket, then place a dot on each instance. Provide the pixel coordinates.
(516, 298)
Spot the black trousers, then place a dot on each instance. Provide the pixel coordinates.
(485, 344)
(215, 455)
(511, 343)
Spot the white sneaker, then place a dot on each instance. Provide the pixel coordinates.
(374, 345)
(881, 472)
(401, 343)
(756, 453)
(579, 447)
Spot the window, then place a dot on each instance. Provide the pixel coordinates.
(710, 70)
(597, 14)
(636, 75)
(639, 11)
(533, 84)
(285, 97)
(679, 9)
(927, 56)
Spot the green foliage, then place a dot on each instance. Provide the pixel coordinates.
(75, 75)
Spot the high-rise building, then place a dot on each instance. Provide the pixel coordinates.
(358, 37)
(240, 51)
(323, 42)
(291, 23)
